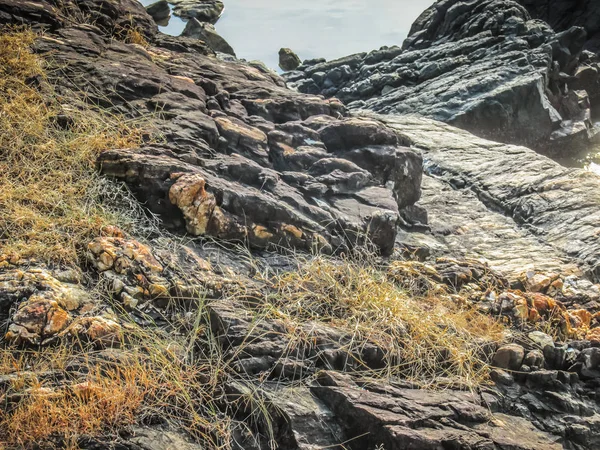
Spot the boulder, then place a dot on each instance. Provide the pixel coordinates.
(509, 357)
(288, 60)
(160, 11)
(563, 14)
(206, 32)
(204, 10)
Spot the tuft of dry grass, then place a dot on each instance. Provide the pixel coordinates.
(135, 36)
(430, 339)
(48, 209)
(56, 396)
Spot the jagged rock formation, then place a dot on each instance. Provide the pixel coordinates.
(563, 14)
(309, 177)
(484, 66)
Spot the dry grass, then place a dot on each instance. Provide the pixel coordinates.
(48, 209)
(135, 36)
(431, 340)
(56, 396)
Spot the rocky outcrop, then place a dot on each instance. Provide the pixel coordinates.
(564, 14)
(483, 66)
(243, 158)
(160, 11)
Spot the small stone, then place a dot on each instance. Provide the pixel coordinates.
(555, 356)
(538, 282)
(590, 357)
(541, 339)
(500, 376)
(534, 358)
(129, 301)
(509, 357)
(207, 33)
(593, 335)
(288, 60)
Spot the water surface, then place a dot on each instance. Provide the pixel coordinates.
(257, 29)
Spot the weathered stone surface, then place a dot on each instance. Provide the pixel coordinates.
(236, 127)
(558, 206)
(564, 14)
(375, 414)
(235, 156)
(509, 357)
(42, 304)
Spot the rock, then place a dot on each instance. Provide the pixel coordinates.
(564, 219)
(207, 33)
(288, 60)
(500, 376)
(537, 282)
(373, 414)
(236, 157)
(564, 14)
(43, 304)
(102, 331)
(203, 10)
(590, 358)
(542, 340)
(534, 358)
(37, 321)
(134, 275)
(160, 11)
(509, 357)
(542, 379)
(498, 80)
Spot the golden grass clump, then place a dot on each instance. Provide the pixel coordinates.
(47, 206)
(56, 396)
(431, 339)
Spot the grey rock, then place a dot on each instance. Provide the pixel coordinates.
(540, 339)
(207, 32)
(160, 11)
(488, 68)
(288, 60)
(534, 358)
(563, 14)
(564, 219)
(204, 10)
(509, 357)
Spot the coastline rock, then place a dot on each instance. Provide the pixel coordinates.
(238, 157)
(563, 14)
(558, 206)
(288, 60)
(203, 10)
(487, 68)
(160, 11)
(207, 32)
